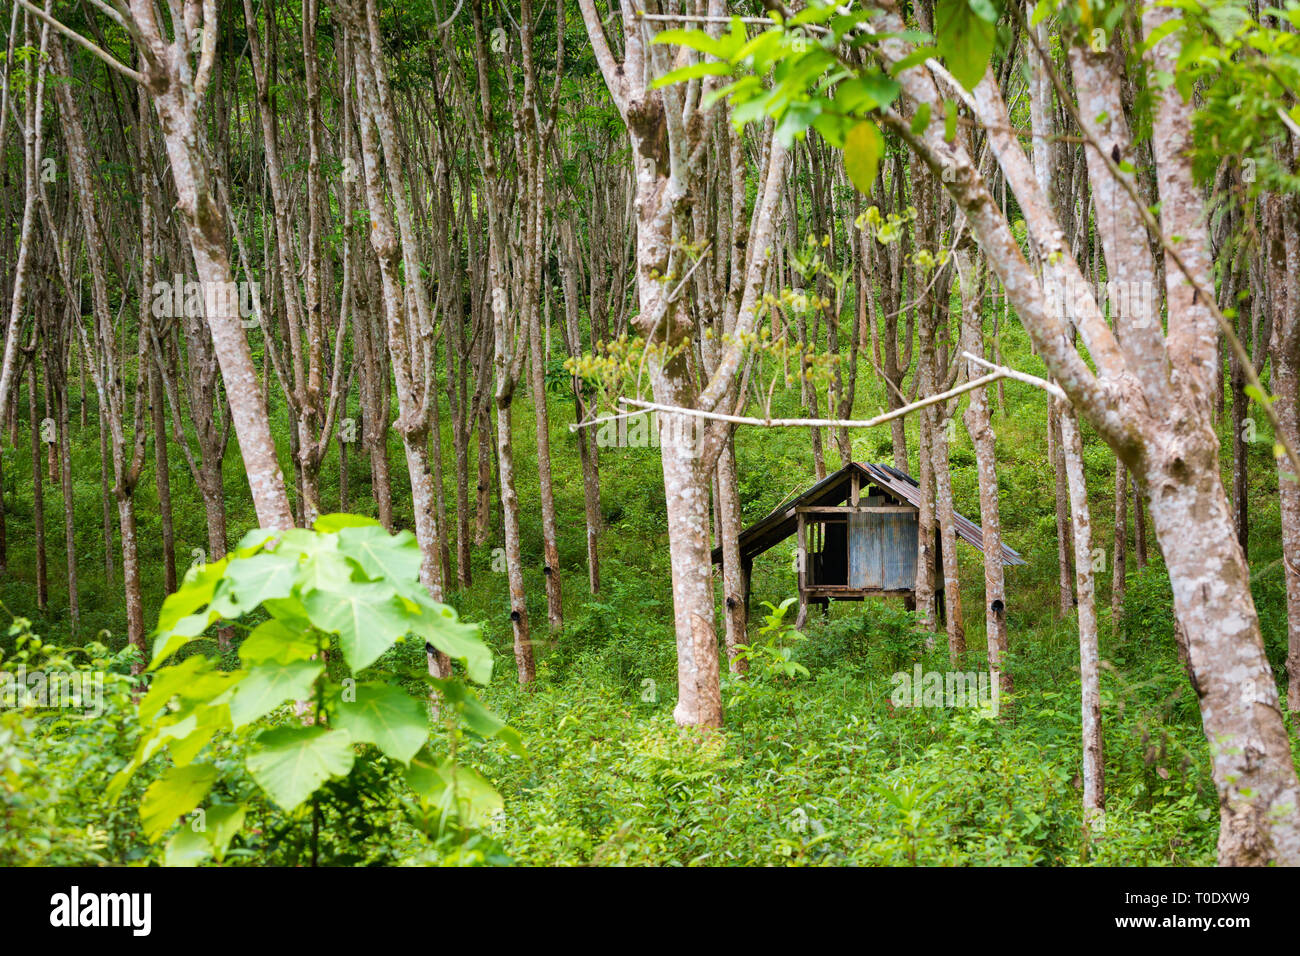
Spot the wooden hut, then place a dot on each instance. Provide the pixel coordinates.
(857, 532)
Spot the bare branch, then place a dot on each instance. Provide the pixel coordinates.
(805, 422)
(1049, 387)
(77, 38)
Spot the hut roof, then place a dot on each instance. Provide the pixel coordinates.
(899, 486)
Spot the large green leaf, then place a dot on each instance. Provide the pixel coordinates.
(326, 571)
(691, 72)
(250, 581)
(394, 558)
(292, 762)
(270, 684)
(278, 640)
(300, 542)
(368, 617)
(173, 795)
(965, 38)
(170, 681)
(862, 94)
(387, 717)
(253, 540)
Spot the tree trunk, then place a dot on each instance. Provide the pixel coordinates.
(550, 548)
(1094, 769)
(981, 432)
(1119, 562)
(162, 479)
(734, 589)
(38, 512)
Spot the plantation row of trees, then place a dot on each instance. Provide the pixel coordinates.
(397, 221)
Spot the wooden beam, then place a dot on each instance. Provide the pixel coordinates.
(849, 509)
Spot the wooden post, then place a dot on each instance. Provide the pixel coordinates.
(939, 605)
(803, 573)
(746, 574)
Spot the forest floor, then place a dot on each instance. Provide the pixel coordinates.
(815, 765)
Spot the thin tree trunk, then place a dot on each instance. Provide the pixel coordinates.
(38, 511)
(162, 479)
(1094, 769)
(550, 547)
(977, 419)
(1064, 531)
(1119, 562)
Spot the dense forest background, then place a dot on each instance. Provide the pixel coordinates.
(431, 242)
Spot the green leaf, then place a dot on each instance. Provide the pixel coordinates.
(475, 714)
(254, 540)
(170, 681)
(173, 795)
(292, 762)
(863, 147)
(916, 57)
(195, 592)
(270, 684)
(187, 629)
(301, 543)
(187, 848)
(921, 120)
(340, 520)
(438, 625)
(222, 823)
(325, 571)
(394, 558)
(965, 40)
(368, 617)
(949, 121)
(794, 124)
(833, 128)
(387, 717)
(250, 581)
(453, 788)
(1258, 395)
(695, 39)
(691, 72)
(184, 747)
(278, 640)
(861, 94)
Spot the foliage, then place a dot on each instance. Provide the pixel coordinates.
(350, 589)
(799, 72)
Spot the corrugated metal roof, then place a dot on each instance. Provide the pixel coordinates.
(909, 490)
(782, 522)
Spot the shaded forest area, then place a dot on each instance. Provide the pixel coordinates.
(355, 352)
